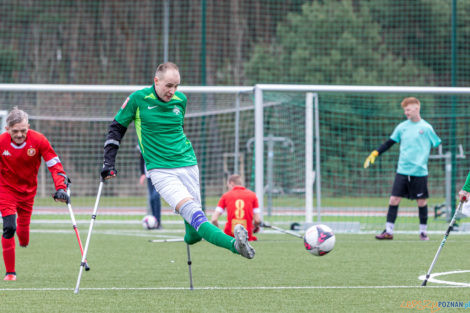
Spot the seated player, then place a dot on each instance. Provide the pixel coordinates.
(242, 208)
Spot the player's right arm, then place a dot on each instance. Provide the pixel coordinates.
(111, 146)
(219, 210)
(374, 154)
(215, 217)
(394, 138)
(116, 131)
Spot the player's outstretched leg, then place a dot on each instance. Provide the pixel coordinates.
(191, 236)
(196, 219)
(241, 242)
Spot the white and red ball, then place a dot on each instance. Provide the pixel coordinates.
(319, 240)
(149, 222)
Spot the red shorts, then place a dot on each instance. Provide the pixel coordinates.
(12, 203)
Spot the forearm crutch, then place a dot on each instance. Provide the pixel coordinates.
(93, 218)
(459, 208)
(74, 224)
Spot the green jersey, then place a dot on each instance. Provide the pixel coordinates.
(159, 127)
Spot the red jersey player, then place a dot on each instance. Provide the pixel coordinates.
(21, 151)
(242, 208)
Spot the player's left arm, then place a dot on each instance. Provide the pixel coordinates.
(56, 169)
(433, 137)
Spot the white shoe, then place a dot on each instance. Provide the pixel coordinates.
(241, 242)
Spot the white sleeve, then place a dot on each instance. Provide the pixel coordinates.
(219, 209)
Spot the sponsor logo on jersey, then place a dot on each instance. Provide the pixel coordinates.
(6, 153)
(125, 103)
(31, 152)
(149, 107)
(176, 111)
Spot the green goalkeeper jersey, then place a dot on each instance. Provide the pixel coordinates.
(159, 127)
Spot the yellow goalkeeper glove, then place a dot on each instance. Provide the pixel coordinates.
(371, 158)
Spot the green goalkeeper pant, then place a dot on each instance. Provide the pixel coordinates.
(210, 233)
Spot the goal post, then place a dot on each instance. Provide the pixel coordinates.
(360, 103)
(3, 120)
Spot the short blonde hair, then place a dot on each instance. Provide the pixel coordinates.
(164, 67)
(235, 179)
(410, 100)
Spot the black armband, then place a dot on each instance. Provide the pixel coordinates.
(115, 134)
(386, 145)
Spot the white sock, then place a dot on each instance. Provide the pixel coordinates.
(423, 228)
(389, 227)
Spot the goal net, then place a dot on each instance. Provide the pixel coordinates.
(272, 135)
(219, 122)
(352, 121)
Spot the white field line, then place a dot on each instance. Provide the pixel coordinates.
(113, 233)
(226, 288)
(279, 211)
(161, 233)
(452, 283)
(448, 284)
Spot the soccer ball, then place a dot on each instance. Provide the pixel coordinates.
(149, 222)
(319, 240)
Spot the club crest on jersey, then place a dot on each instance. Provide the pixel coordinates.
(125, 103)
(6, 153)
(421, 131)
(176, 111)
(31, 152)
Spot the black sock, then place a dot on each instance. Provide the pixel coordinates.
(423, 215)
(392, 213)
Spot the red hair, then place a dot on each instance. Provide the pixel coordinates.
(410, 100)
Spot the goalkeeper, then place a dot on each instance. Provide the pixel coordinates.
(158, 114)
(416, 138)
